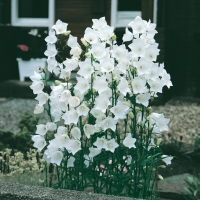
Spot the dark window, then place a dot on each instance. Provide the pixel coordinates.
(129, 5)
(5, 11)
(33, 8)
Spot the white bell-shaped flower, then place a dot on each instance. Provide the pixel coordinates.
(37, 76)
(62, 130)
(91, 36)
(51, 50)
(100, 84)
(60, 27)
(42, 98)
(65, 95)
(167, 159)
(75, 146)
(94, 152)
(65, 74)
(98, 50)
(52, 64)
(41, 129)
(73, 101)
(38, 109)
(119, 52)
(51, 126)
(106, 33)
(70, 117)
(56, 157)
(123, 65)
(86, 69)
(143, 67)
(111, 145)
(138, 25)
(70, 64)
(143, 99)
(99, 24)
(37, 87)
(76, 52)
(82, 110)
(108, 123)
(152, 52)
(76, 133)
(128, 36)
(70, 162)
(100, 143)
(139, 85)
(102, 103)
(123, 86)
(51, 38)
(107, 65)
(129, 141)
(138, 47)
(89, 130)
(39, 142)
(62, 140)
(72, 41)
(82, 85)
(120, 110)
(156, 86)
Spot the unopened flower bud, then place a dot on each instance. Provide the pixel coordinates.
(149, 109)
(160, 177)
(137, 109)
(126, 103)
(162, 166)
(87, 54)
(159, 141)
(141, 123)
(41, 181)
(67, 33)
(57, 82)
(84, 42)
(131, 115)
(115, 78)
(153, 169)
(150, 128)
(114, 37)
(152, 99)
(148, 118)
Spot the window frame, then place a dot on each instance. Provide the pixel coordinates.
(120, 19)
(32, 22)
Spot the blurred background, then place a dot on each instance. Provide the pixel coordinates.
(177, 25)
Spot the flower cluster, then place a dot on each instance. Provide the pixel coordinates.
(115, 84)
(112, 75)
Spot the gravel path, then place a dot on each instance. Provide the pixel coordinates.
(11, 111)
(183, 112)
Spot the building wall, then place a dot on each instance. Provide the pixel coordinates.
(182, 46)
(79, 13)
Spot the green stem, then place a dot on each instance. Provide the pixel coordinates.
(58, 175)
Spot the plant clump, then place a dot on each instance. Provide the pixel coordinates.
(115, 85)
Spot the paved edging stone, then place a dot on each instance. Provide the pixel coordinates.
(11, 191)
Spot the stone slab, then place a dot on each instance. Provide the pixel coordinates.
(173, 187)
